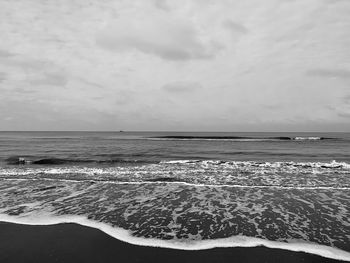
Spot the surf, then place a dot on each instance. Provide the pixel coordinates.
(241, 138)
(229, 242)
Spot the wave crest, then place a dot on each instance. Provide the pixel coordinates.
(16, 160)
(332, 164)
(308, 175)
(242, 138)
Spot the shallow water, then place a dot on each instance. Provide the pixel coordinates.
(189, 188)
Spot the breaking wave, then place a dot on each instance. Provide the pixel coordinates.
(242, 138)
(308, 175)
(15, 160)
(311, 138)
(328, 165)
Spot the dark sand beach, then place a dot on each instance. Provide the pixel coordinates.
(76, 243)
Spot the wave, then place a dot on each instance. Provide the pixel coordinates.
(170, 165)
(147, 208)
(15, 160)
(326, 165)
(174, 181)
(211, 173)
(233, 241)
(242, 138)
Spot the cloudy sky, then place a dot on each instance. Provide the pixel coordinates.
(205, 65)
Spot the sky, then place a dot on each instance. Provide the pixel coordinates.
(184, 65)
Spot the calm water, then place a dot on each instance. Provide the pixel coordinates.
(286, 187)
(137, 146)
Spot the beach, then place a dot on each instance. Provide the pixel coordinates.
(174, 197)
(174, 131)
(75, 243)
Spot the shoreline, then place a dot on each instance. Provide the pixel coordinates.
(71, 242)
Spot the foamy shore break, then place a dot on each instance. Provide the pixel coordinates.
(231, 242)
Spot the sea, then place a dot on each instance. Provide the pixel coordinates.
(185, 190)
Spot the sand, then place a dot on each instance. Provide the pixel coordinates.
(75, 243)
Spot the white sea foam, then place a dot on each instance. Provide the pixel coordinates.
(180, 161)
(307, 138)
(332, 164)
(287, 166)
(221, 139)
(247, 174)
(234, 241)
(189, 184)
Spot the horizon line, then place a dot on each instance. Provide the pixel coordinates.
(191, 131)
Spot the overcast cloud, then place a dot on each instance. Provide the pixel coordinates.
(175, 65)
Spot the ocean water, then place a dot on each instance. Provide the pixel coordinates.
(185, 190)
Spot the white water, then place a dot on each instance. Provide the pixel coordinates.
(190, 184)
(235, 241)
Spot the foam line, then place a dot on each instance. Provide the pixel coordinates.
(241, 138)
(332, 164)
(228, 140)
(235, 241)
(184, 183)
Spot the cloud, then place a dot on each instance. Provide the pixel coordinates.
(124, 97)
(3, 76)
(272, 106)
(342, 108)
(26, 63)
(32, 114)
(162, 4)
(337, 1)
(329, 73)
(23, 91)
(5, 54)
(35, 71)
(90, 83)
(167, 37)
(235, 28)
(274, 57)
(52, 79)
(181, 87)
(344, 115)
(346, 99)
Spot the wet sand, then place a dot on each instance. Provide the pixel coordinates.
(75, 243)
